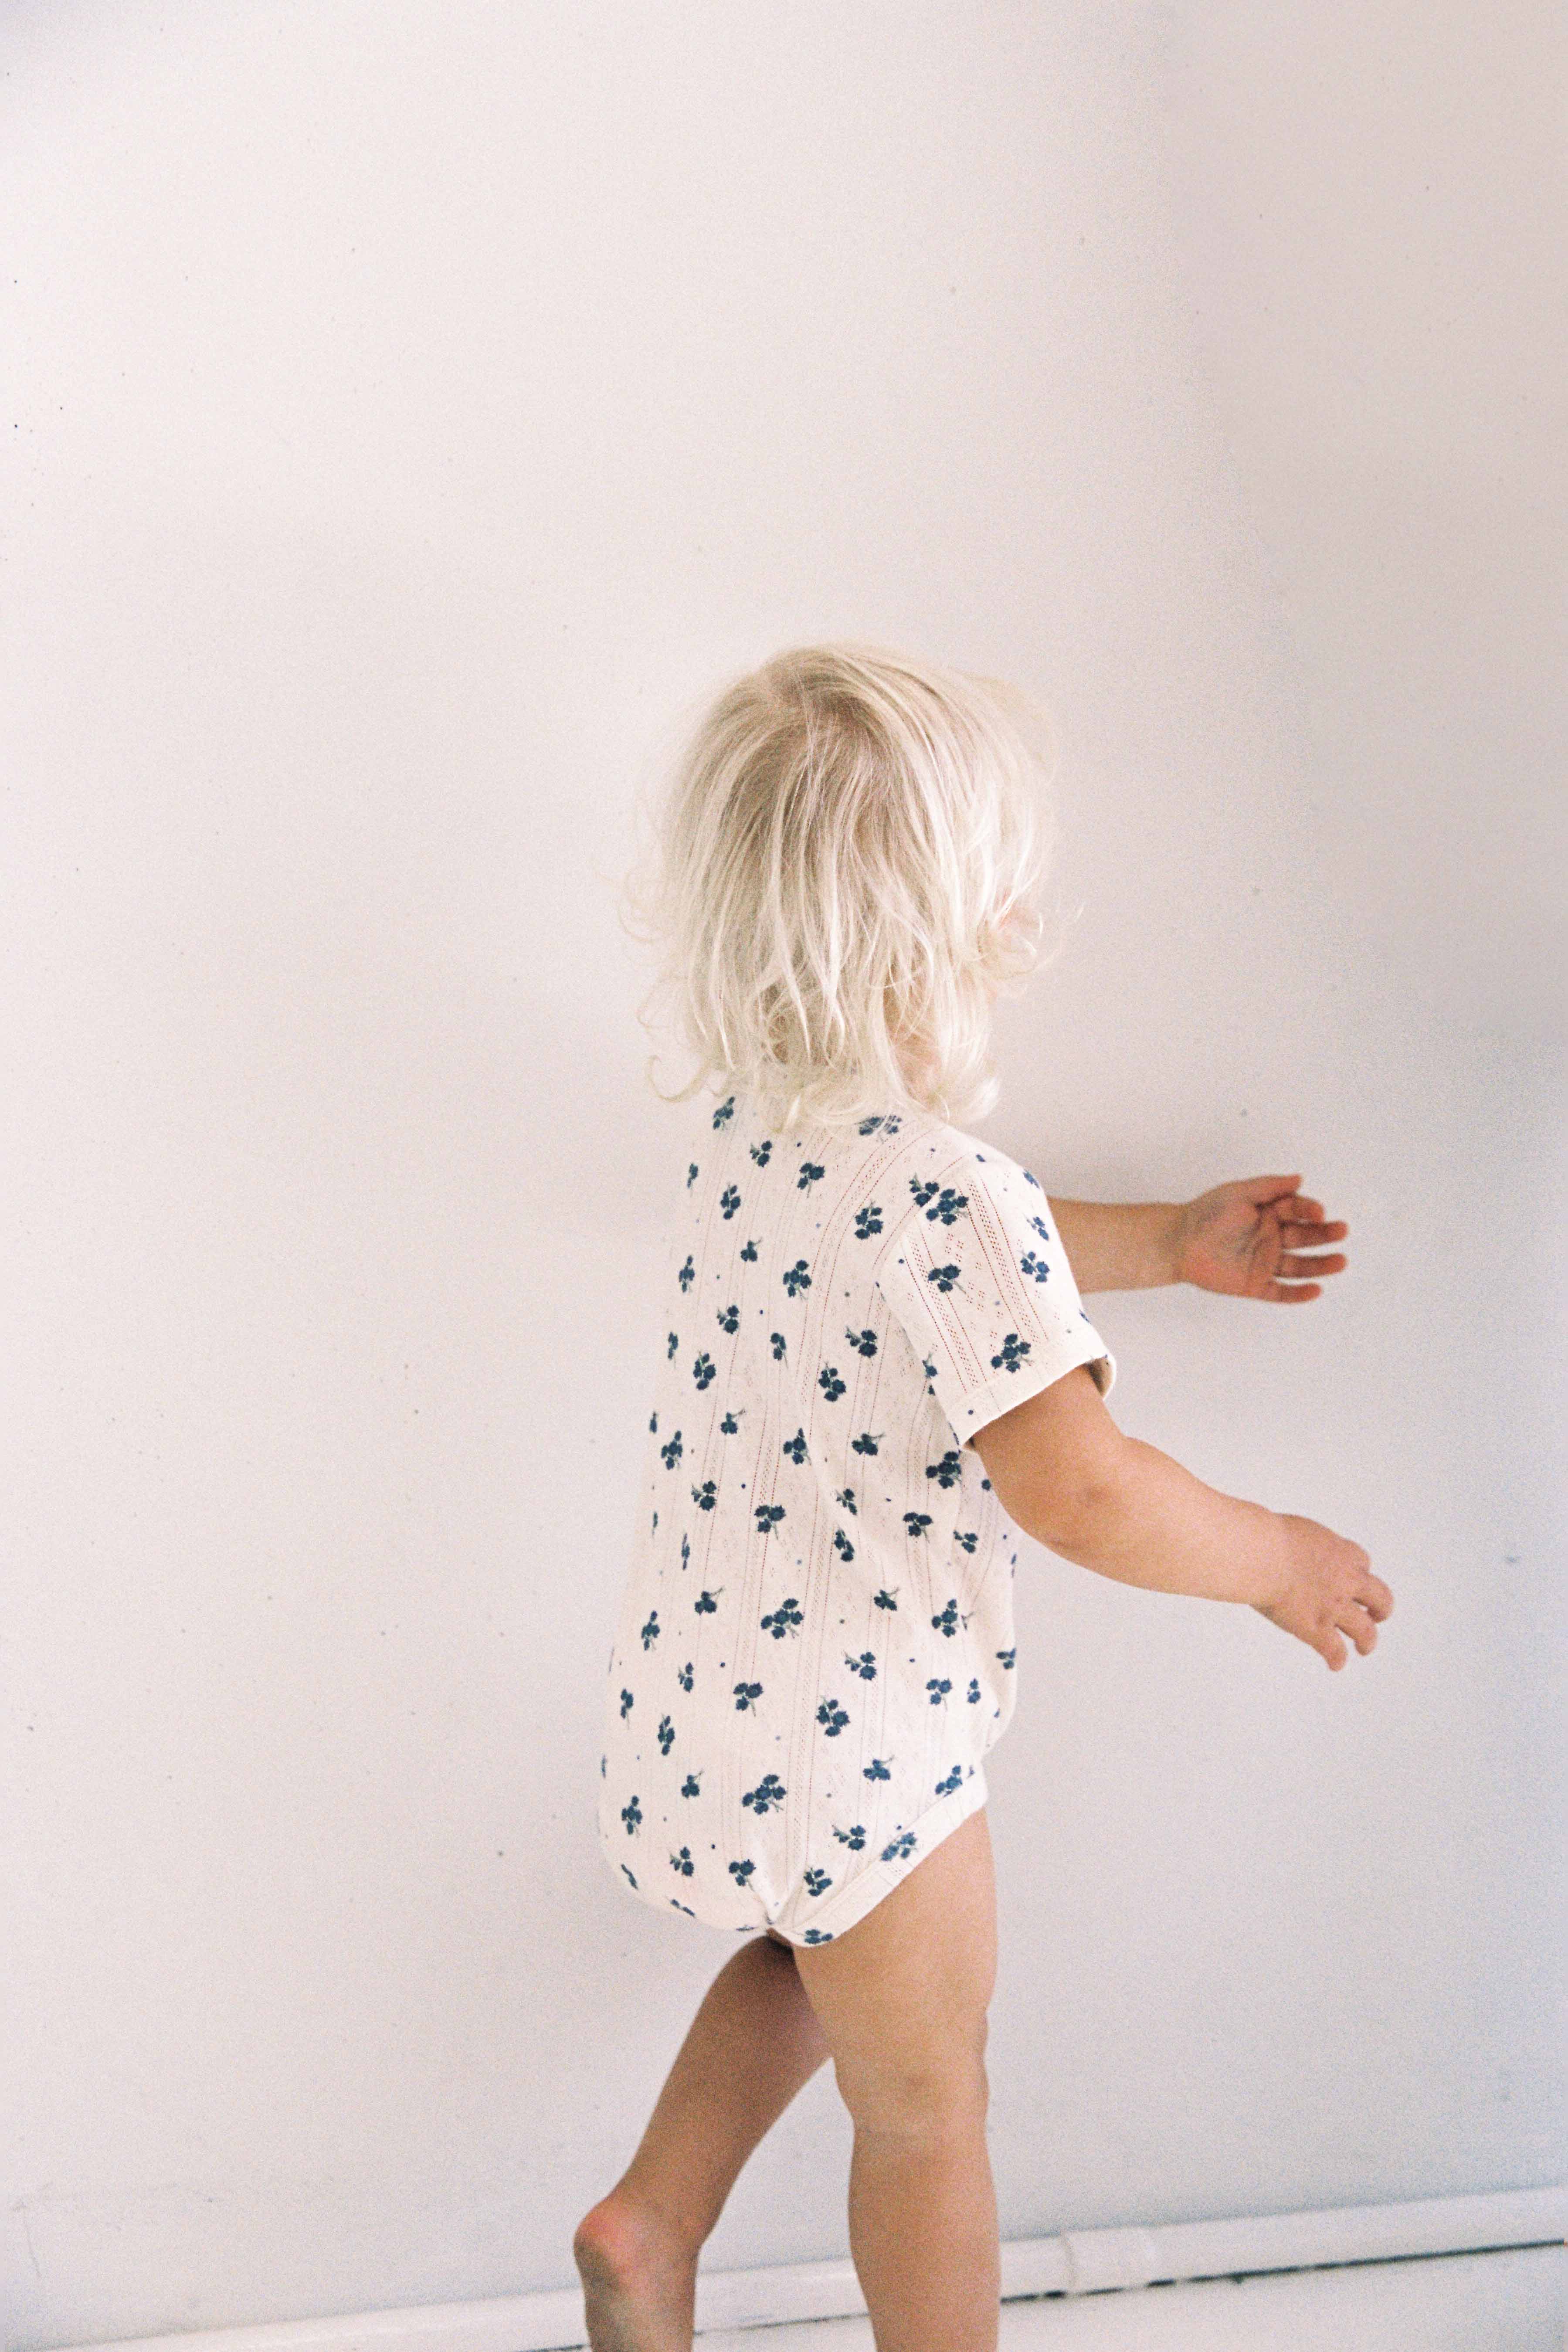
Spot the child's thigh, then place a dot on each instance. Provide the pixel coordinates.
(901, 1996)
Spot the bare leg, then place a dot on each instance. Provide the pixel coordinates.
(752, 2044)
(902, 1996)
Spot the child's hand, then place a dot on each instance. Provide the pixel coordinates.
(1327, 1589)
(1243, 1237)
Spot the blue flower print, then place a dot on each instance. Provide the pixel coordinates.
(866, 1443)
(730, 1423)
(797, 1277)
(631, 1814)
(917, 1522)
(687, 1273)
(1008, 1657)
(876, 1769)
(685, 1676)
(763, 1152)
(671, 1452)
(749, 1252)
(679, 1906)
(865, 1666)
(817, 1882)
(948, 1622)
(625, 1705)
(831, 1382)
(729, 1202)
(744, 1693)
(683, 1861)
(769, 1790)
(832, 1717)
(953, 1781)
(703, 1369)
(972, 1694)
(779, 1345)
(794, 1447)
(949, 1206)
(767, 1516)
(868, 1221)
(810, 1172)
(650, 1632)
(842, 1545)
(818, 1936)
(853, 1839)
(783, 1619)
(937, 1689)
(631, 1874)
(741, 1871)
(707, 1604)
(845, 1498)
(1031, 1263)
(726, 1112)
(885, 1599)
(965, 1538)
(948, 1471)
(671, 1345)
(705, 1496)
(691, 1786)
(665, 1734)
(729, 1319)
(898, 1847)
(863, 1342)
(1012, 1353)
(944, 1277)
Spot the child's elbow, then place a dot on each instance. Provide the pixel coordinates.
(1054, 1459)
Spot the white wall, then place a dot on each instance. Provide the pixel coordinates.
(410, 408)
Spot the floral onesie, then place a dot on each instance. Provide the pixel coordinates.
(814, 1645)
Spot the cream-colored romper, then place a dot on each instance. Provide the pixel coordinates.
(814, 1648)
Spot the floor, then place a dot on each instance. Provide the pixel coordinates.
(1514, 2301)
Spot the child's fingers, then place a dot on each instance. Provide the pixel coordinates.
(1307, 1217)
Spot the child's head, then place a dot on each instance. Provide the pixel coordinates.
(846, 856)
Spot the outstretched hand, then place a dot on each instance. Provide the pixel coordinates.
(1247, 1237)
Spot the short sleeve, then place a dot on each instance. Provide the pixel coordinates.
(976, 1274)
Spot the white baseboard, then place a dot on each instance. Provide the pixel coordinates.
(1079, 2262)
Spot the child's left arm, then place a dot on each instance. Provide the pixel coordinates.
(1245, 1238)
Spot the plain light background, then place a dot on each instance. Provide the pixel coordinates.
(409, 409)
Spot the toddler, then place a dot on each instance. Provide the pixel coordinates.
(876, 1368)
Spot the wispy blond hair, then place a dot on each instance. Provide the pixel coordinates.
(843, 874)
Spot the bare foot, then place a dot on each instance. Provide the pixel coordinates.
(639, 2279)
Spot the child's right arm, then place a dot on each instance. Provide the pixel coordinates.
(1070, 1478)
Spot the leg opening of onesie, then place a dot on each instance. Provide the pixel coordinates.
(817, 1919)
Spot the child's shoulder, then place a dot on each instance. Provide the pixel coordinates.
(955, 1147)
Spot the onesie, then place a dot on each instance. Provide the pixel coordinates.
(814, 1650)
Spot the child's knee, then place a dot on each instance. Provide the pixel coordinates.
(941, 2092)
(903, 2062)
